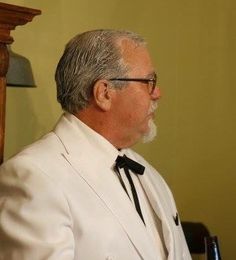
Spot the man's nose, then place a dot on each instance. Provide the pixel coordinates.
(156, 93)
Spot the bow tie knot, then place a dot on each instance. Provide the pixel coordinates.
(125, 162)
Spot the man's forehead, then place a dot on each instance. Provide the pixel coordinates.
(136, 56)
(131, 50)
(128, 46)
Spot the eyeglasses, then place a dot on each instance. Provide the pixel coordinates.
(150, 82)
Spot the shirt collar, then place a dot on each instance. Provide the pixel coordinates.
(94, 143)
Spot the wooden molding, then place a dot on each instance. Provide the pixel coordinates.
(10, 17)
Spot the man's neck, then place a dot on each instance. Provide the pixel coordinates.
(101, 122)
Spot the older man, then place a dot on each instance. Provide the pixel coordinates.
(79, 192)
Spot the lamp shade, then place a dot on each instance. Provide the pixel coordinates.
(19, 73)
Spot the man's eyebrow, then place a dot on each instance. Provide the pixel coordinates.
(151, 75)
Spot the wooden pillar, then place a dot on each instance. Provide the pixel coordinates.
(10, 17)
(4, 60)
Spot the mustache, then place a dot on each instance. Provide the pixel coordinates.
(153, 107)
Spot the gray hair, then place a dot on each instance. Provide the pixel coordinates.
(88, 57)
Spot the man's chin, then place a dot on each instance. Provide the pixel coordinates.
(152, 132)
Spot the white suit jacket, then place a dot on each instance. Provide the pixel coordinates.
(59, 200)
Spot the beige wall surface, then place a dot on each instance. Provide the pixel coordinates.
(193, 44)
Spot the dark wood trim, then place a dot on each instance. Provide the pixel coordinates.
(10, 17)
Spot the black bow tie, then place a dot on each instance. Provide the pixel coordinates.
(129, 164)
(124, 161)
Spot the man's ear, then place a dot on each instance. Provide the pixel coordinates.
(102, 94)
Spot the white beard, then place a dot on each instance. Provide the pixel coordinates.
(152, 132)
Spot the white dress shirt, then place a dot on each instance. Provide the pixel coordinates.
(152, 222)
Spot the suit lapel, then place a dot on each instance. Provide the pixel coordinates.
(104, 183)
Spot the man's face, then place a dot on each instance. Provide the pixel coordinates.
(132, 106)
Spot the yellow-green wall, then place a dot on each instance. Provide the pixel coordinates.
(193, 43)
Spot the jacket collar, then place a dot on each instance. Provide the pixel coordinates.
(80, 140)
